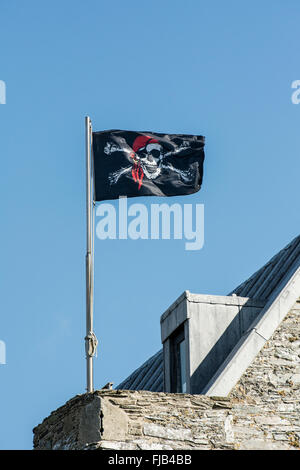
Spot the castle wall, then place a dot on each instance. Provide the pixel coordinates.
(262, 411)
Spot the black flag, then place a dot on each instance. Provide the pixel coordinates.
(132, 164)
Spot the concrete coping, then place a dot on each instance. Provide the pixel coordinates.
(212, 299)
(172, 307)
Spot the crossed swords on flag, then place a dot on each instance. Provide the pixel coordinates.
(150, 163)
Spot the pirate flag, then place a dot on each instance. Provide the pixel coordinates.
(132, 164)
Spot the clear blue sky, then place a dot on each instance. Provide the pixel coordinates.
(221, 69)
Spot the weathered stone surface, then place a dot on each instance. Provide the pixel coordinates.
(115, 422)
(89, 424)
(260, 444)
(165, 432)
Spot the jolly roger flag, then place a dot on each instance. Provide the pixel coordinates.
(132, 164)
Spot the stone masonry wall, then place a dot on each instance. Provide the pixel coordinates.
(262, 411)
(272, 382)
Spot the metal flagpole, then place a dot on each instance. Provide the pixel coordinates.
(90, 338)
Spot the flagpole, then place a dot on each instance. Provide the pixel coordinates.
(90, 338)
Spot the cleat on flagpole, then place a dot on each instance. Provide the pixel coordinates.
(91, 344)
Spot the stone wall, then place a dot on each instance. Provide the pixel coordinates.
(262, 411)
(272, 382)
(148, 420)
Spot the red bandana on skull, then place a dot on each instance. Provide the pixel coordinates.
(139, 144)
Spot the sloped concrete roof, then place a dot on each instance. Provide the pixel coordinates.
(147, 377)
(263, 284)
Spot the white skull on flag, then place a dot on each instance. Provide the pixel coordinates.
(148, 159)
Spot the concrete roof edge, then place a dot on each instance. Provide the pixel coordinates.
(183, 296)
(225, 300)
(258, 333)
(212, 299)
